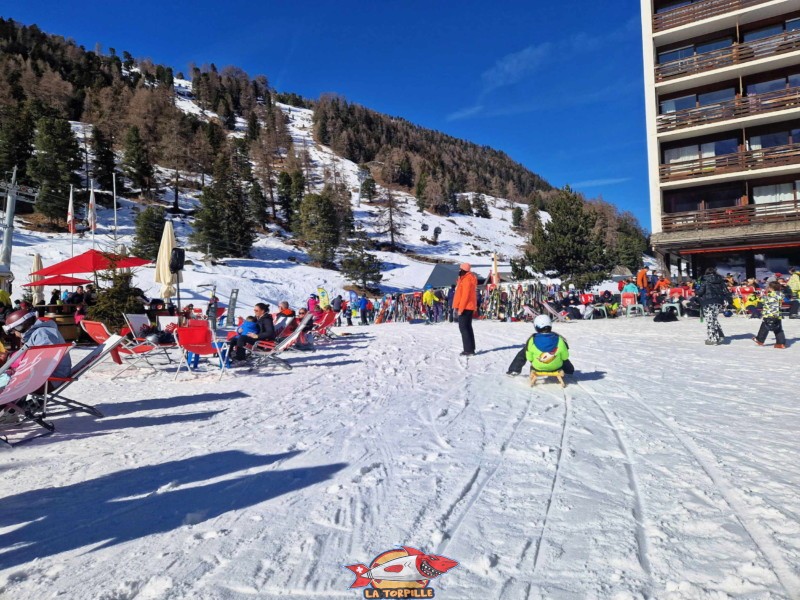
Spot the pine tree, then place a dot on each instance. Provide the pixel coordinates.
(116, 299)
(318, 228)
(390, 219)
(103, 165)
(516, 216)
(368, 189)
(420, 191)
(53, 166)
(286, 200)
(149, 229)
(480, 207)
(359, 266)
(221, 227)
(465, 205)
(16, 139)
(136, 164)
(253, 127)
(568, 244)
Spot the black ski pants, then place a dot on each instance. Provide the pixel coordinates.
(465, 327)
(775, 326)
(520, 359)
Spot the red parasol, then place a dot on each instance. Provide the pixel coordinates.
(58, 280)
(91, 261)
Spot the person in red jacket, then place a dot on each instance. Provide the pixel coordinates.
(465, 304)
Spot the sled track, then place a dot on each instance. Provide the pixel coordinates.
(450, 533)
(757, 533)
(642, 546)
(555, 482)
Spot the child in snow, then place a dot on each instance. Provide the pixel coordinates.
(772, 317)
(545, 350)
(250, 325)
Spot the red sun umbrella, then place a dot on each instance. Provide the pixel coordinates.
(58, 280)
(91, 261)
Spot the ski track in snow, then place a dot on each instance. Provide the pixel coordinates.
(617, 487)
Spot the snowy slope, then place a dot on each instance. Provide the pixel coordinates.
(663, 472)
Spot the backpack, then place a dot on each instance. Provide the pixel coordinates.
(667, 316)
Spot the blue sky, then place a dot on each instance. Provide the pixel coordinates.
(555, 85)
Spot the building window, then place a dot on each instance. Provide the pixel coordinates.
(764, 32)
(696, 151)
(675, 104)
(667, 6)
(768, 194)
(716, 97)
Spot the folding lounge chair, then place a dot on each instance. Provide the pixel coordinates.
(32, 369)
(557, 316)
(86, 364)
(140, 323)
(264, 352)
(164, 322)
(322, 329)
(199, 342)
(136, 352)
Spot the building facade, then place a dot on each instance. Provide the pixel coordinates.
(722, 92)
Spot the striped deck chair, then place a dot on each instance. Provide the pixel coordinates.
(136, 352)
(264, 353)
(29, 374)
(86, 364)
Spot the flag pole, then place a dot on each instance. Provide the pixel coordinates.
(71, 223)
(115, 208)
(92, 213)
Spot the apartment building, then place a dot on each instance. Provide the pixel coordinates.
(722, 92)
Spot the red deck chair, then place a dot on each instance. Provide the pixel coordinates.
(199, 342)
(322, 328)
(266, 352)
(86, 364)
(137, 352)
(32, 370)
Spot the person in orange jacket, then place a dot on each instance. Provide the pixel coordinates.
(643, 283)
(465, 303)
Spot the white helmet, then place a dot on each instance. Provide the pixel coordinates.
(542, 322)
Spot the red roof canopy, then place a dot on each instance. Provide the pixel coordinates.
(91, 261)
(57, 280)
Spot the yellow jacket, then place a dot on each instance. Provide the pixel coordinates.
(428, 298)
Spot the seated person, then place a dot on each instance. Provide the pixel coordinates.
(545, 350)
(283, 318)
(33, 332)
(663, 284)
(266, 331)
(752, 305)
(630, 288)
(250, 325)
(306, 339)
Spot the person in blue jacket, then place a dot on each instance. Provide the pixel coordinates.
(362, 307)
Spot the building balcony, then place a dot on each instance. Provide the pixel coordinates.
(699, 11)
(739, 163)
(756, 215)
(736, 54)
(739, 108)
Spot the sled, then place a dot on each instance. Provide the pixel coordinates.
(544, 374)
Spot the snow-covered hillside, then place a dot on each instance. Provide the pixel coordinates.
(276, 270)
